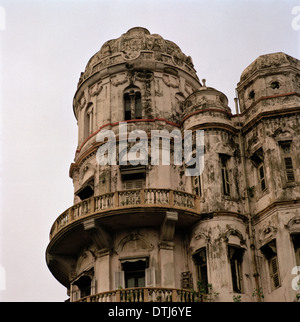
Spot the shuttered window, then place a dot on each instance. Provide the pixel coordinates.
(289, 169)
(270, 252)
(134, 184)
(150, 277)
(119, 279)
(288, 161)
(274, 271)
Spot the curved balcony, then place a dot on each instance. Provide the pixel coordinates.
(147, 294)
(129, 201)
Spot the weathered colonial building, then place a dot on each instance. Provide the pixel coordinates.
(149, 232)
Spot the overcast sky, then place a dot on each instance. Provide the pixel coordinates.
(45, 45)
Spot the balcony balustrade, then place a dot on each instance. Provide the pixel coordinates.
(127, 199)
(145, 294)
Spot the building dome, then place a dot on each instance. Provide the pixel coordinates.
(274, 60)
(207, 98)
(138, 44)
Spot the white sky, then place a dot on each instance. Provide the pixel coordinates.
(44, 47)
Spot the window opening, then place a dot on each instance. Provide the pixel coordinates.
(275, 85)
(84, 285)
(296, 243)
(262, 179)
(270, 252)
(134, 273)
(138, 106)
(225, 174)
(132, 105)
(86, 191)
(88, 121)
(235, 259)
(257, 160)
(200, 260)
(127, 104)
(288, 161)
(252, 95)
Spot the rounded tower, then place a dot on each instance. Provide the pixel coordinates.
(120, 233)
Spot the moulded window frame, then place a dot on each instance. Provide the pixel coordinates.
(135, 97)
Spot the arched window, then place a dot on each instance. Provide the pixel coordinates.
(132, 104)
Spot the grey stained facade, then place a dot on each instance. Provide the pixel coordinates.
(150, 233)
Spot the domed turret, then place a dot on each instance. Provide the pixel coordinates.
(205, 105)
(139, 46)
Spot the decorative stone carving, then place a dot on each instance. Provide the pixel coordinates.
(236, 233)
(171, 81)
(119, 79)
(133, 242)
(294, 224)
(137, 43)
(95, 89)
(267, 233)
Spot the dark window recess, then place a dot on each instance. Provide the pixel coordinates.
(270, 252)
(236, 258)
(138, 106)
(275, 85)
(257, 160)
(225, 174)
(132, 105)
(84, 285)
(131, 172)
(201, 265)
(86, 191)
(134, 273)
(127, 105)
(252, 95)
(262, 179)
(296, 243)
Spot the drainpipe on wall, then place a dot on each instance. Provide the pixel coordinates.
(248, 206)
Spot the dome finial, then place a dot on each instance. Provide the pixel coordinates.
(204, 82)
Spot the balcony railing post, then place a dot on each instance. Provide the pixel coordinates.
(174, 296)
(116, 199)
(146, 293)
(142, 196)
(171, 198)
(92, 205)
(118, 296)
